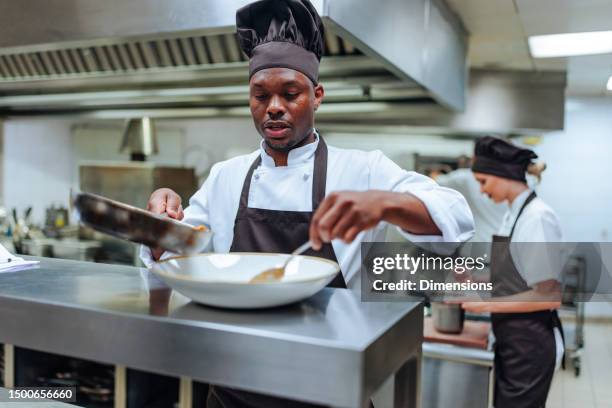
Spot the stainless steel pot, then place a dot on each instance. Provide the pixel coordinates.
(447, 317)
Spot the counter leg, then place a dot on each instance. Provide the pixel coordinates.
(9, 366)
(408, 382)
(120, 387)
(185, 393)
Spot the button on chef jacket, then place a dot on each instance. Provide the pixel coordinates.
(289, 188)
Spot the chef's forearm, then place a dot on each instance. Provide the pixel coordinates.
(409, 213)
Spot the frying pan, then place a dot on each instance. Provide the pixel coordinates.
(134, 224)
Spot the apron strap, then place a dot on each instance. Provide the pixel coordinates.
(529, 199)
(319, 178)
(246, 187)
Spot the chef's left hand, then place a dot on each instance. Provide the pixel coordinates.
(344, 214)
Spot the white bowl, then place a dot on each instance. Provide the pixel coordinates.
(222, 280)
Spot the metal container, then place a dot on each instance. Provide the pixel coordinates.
(447, 317)
(79, 250)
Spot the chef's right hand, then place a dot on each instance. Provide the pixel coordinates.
(164, 201)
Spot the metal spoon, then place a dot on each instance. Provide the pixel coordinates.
(277, 273)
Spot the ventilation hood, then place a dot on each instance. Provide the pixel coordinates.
(391, 62)
(416, 49)
(139, 139)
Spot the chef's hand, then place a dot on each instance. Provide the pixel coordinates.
(165, 201)
(344, 214)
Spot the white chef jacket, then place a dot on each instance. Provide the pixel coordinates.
(537, 223)
(488, 215)
(289, 188)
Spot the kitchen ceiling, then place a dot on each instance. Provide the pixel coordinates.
(499, 30)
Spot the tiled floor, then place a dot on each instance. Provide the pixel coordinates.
(593, 388)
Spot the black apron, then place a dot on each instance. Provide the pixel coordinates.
(260, 230)
(525, 349)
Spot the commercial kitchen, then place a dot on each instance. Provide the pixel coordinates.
(104, 103)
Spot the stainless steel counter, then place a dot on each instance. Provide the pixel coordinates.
(457, 376)
(331, 349)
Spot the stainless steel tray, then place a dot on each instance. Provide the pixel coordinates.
(137, 225)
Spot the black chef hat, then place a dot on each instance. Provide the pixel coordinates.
(501, 158)
(281, 34)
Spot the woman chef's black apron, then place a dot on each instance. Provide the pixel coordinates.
(525, 348)
(260, 230)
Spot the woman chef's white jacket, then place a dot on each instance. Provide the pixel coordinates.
(290, 188)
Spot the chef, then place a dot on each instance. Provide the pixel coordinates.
(525, 277)
(295, 187)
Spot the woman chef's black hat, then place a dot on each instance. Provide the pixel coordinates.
(281, 34)
(501, 158)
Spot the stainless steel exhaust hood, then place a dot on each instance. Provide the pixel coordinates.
(387, 63)
(139, 139)
(68, 46)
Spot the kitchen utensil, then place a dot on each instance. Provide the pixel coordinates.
(277, 273)
(223, 280)
(134, 224)
(447, 317)
(26, 217)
